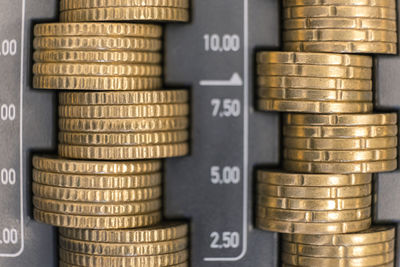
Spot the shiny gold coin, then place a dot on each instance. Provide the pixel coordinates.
(123, 152)
(313, 216)
(314, 83)
(343, 167)
(55, 164)
(390, 264)
(96, 195)
(97, 69)
(314, 204)
(314, 192)
(313, 58)
(375, 234)
(314, 106)
(79, 4)
(341, 119)
(381, 3)
(96, 83)
(97, 43)
(128, 57)
(339, 11)
(123, 250)
(98, 29)
(338, 251)
(300, 179)
(123, 125)
(123, 98)
(97, 209)
(340, 143)
(148, 14)
(316, 228)
(315, 95)
(153, 260)
(298, 70)
(164, 231)
(184, 264)
(123, 111)
(97, 181)
(97, 222)
(375, 260)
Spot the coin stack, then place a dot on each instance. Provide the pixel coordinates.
(104, 189)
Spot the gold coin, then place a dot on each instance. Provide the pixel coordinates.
(97, 43)
(97, 222)
(77, 138)
(98, 29)
(123, 250)
(57, 56)
(340, 23)
(97, 69)
(375, 234)
(314, 83)
(329, 11)
(339, 131)
(123, 125)
(123, 111)
(338, 251)
(123, 98)
(152, 260)
(313, 106)
(97, 209)
(343, 167)
(96, 83)
(381, 3)
(97, 181)
(314, 204)
(390, 264)
(343, 47)
(314, 192)
(55, 164)
(79, 4)
(148, 14)
(300, 179)
(184, 264)
(264, 213)
(123, 152)
(311, 35)
(315, 95)
(316, 228)
(298, 70)
(164, 231)
(313, 58)
(96, 195)
(375, 260)
(341, 119)
(340, 143)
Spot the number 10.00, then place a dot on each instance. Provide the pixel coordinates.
(224, 43)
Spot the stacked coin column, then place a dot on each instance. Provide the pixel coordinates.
(104, 189)
(332, 141)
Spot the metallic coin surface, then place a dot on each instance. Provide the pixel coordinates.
(341, 119)
(340, 35)
(343, 47)
(339, 11)
(79, 4)
(381, 3)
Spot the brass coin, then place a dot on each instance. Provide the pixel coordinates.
(300, 179)
(329, 11)
(341, 119)
(96, 83)
(314, 83)
(314, 204)
(390, 264)
(313, 106)
(184, 264)
(314, 192)
(381, 3)
(123, 125)
(97, 29)
(55, 164)
(123, 111)
(339, 35)
(97, 209)
(96, 195)
(123, 152)
(375, 234)
(123, 98)
(97, 222)
(79, 4)
(313, 58)
(301, 70)
(343, 167)
(97, 180)
(148, 14)
(164, 231)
